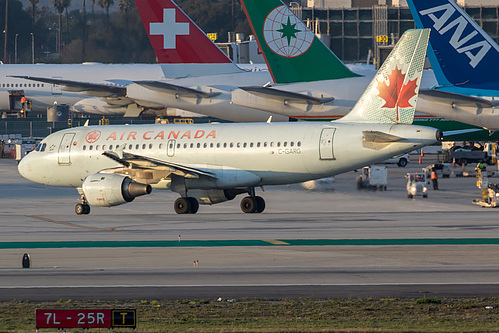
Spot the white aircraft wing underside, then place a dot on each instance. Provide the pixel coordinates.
(179, 91)
(286, 96)
(87, 88)
(438, 96)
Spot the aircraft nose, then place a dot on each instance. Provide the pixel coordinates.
(24, 167)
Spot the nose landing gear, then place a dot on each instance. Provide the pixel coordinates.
(82, 208)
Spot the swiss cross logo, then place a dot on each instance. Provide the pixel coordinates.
(169, 28)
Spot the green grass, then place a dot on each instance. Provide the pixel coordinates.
(282, 315)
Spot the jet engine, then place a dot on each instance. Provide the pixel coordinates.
(109, 189)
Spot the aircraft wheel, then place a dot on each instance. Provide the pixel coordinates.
(86, 209)
(409, 196)
(182, 206)
(248, 205)
(260, 204)
(194, 205)
(79, 209)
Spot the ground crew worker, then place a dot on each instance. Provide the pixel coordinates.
(434, 179)
(481, 165)
(2, 149)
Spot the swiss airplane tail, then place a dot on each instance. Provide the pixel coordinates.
(292, 51)
(464, 58)
(391, 96)
(180, 46)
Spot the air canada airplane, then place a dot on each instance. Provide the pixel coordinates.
(212, 163)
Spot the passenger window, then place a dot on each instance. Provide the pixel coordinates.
(150, 146)
(90, 147)
(97, 147)
(218, 144)
(265, 144)
(103, 147)
(211, 145)
(161, 146)
(231, 144)
(272, 144)
(178, 146)
(192, 145)
(298, 143)
(251, 145)
(130, 147)
(285, 144)
(291, 143)
(137, 146)
(279, 144)
(258, 144)
(239, 145)
(199, 145)
(244, 145)
(185, 145)
(110, 147)
(205, 145)
(84, 147)
(225, 144)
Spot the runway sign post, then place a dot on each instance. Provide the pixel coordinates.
(104, 318)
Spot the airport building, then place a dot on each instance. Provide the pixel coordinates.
(354, 29)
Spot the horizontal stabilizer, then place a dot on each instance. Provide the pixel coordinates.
(179, 91)
(435, 95)
(88, 88)
(286, 96)
(378, 140)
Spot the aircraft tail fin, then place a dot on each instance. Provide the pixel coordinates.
(181, 47)
(391, 96)
(292, 51)
(462, 55)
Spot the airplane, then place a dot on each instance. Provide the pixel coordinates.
(212, 163)
(185, 52)
(297, 93)
(464, 59)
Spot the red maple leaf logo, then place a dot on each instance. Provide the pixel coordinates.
(397, 94)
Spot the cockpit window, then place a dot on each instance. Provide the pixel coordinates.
(38, 147)
(43, 147)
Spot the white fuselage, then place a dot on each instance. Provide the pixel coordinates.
(43, 95)
(237, 154)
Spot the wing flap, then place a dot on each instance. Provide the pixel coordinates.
(178, 91)
(286, 96)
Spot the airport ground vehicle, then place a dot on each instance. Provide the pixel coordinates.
(442, 169)
(373, 178)
(400, 160)
(416, 185)
(465, 156)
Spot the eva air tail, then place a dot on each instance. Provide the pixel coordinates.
(464, 58)
(292, 51)
(391, 96)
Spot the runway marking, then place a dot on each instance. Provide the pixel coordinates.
(247, 243)
(275, 242)
(70, 224)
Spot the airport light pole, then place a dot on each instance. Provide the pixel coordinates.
(5, 61)
(15, 49)
(32, 48)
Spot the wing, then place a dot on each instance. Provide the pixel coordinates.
(286, 97)
(150, 170)
(178, 91)
(86, 88)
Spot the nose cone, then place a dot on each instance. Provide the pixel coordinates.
(25, 167)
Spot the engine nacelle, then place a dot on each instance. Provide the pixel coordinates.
(210, 197)
(109, 189)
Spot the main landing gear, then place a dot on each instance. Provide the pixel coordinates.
(252, 204)
(186, 205)
(82, 208)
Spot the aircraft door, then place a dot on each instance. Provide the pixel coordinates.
(326, 151)
(55, 88)
(65, 149)
(170, 148)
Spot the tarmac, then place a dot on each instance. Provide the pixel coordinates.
(332, 242)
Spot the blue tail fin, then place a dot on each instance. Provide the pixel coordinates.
(463, 56)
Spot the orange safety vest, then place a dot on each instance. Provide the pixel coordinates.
(23, 99)
(434, 175)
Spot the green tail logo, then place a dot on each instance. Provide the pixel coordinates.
(292, 52)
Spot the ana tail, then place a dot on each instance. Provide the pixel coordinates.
(180, 46)
(464, 58)
(391, 96)
(292, 51)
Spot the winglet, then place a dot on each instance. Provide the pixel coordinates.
(180, 45)
(464, 58)
(391, 96)
(292, 51)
